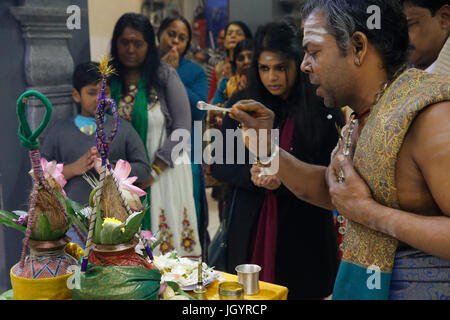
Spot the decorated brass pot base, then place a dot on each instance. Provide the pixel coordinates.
(118, 255)
(45, 273)
(47, 259)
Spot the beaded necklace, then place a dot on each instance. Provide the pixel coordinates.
(126, 104)
(354, 117)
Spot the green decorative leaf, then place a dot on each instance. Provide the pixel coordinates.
(12, 224)
(66, 203)
(7, 218)
(73, 209)
(74, 206)
(176, 287)
(98, 225)
(111, 233)
(9, 215)
(133, 225)
(44, 232)
(92, 195)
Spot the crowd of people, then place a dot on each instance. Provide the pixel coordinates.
(302, 80)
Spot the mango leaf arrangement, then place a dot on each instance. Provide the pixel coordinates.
(49, 223)
(114, 223)
(47, 217)
(112, 220)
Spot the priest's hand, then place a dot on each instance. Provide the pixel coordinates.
(253, 115)
(350, 196)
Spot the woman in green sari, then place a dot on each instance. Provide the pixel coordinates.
(150, 94)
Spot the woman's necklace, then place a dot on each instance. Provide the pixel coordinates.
(354, 117)
(127, 102)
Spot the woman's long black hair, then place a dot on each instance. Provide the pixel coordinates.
(313, 123)
(149, 69)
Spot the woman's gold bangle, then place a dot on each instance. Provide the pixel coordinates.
(158, 169)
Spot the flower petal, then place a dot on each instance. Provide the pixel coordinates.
(50, 168)
(44, 163)
(59, 167)
(133, 189)
(133, 200)
(130, 180)
(147, 234)
(122, 169)
(98, 165)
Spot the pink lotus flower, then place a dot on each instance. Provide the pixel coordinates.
(53, 173)
(131, 193)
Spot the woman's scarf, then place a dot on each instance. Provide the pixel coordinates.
(139, 120)
(139, 116)
(232, 86)
(265, 246)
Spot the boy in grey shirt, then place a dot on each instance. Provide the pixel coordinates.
(72, 141)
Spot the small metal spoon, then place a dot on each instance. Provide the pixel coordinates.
(202, 105)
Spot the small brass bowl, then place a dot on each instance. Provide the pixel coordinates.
(231, 290)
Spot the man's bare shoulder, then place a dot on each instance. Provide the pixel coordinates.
(431, 127)
(429, 148)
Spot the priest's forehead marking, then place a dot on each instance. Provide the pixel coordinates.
(314, 30)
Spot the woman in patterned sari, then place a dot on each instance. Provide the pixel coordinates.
(150, 94)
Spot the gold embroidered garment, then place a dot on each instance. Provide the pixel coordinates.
(376, 157)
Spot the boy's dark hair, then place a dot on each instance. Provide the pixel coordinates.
(345, 17)
(168, 21)
(432, 5)
(85, 74)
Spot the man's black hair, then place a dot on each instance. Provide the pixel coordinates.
(432, 5)
(345, 17)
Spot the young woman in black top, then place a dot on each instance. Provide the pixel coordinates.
(298, 247)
